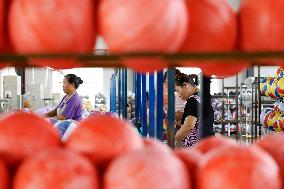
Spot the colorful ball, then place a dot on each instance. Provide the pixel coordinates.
(280, 87)
(277, 106)
(263, 116)
(274, 93)
(281, 122)
(280, 72)
(275, 121)
(262, 85)
(270, 88)
(267, 86)
(268, 118)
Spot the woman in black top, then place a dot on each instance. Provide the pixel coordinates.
(188, 134)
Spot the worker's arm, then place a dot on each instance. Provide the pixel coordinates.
(186, 128)
(178, 116)
(60, 117)
(52, 113)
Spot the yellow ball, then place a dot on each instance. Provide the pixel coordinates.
(275, 121)
(280, 72)
(280, 87)
(262, 84)
(274, 93)
(270, 88)
(270, 120)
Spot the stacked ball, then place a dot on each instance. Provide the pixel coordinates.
(273, 119)
(273, 86)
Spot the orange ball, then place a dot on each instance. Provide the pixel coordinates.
(130, 27)
(23, 134)
(3, 176)
(273, 144)
(261, 24)
(212, 28)
(56, 168)
(2, 19)
(156, 144)
(238, 167)
(148, 168)
(191, 158)
(212, 143)
(103, 138)
(144, 65)
(53, 27)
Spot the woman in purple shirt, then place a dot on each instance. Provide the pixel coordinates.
(70, 106)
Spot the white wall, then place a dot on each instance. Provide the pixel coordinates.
(5, 72)
(39, 76)
(266, 71)
(216, 85)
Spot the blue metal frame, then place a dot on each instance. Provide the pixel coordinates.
(124, 92)
(171, 107)
(143, 112)
(113, 93)
(137, 95)
(119, 92)
(160, 106)
(152, 108)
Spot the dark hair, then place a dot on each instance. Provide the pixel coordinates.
(178, 72)
(191, 79)
(73, 79)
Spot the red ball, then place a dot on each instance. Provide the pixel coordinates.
(212, 28)
(144, 65)
(213, 143)
(56, 168)
(238, 167)
(130, 27)
(156, 144)
(273, 144)
(261, 24)
(2, 27)
(148, 168)
(3, 176)
(102, 138)
(23, 134)
(5, 45)
(53, 27)
(191, 158)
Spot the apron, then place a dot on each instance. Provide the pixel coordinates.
(62, 106)
(194, 136)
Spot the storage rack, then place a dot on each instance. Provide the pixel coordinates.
(172, 60)
(257, 103)
(225, 106)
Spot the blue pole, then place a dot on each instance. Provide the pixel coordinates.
(114, 94)
(171, 107)
(124, 93)
(110, 95)
(143, 106)
(137, 89)
(152, 124)
(119, 92)
(160, 106)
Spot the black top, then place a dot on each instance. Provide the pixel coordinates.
(191, 108)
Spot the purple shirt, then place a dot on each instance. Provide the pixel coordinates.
(72, 109)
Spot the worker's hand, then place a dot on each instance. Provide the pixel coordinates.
(177, 123)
